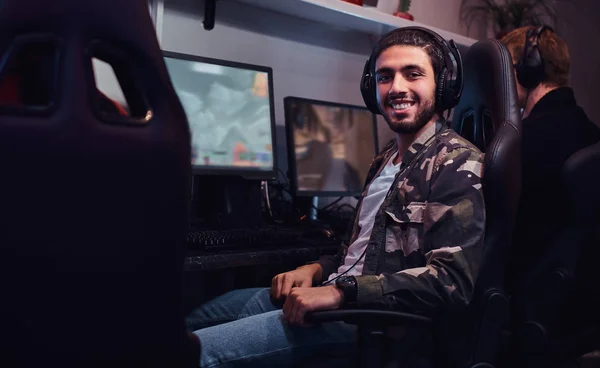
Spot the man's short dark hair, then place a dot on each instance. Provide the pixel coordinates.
(411, 37)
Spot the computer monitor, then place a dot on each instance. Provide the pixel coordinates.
(330, 146)
(229, 106)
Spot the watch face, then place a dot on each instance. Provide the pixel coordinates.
(346, 280)
(347, 285)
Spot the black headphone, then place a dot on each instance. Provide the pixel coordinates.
(449, 82)
(530, 67)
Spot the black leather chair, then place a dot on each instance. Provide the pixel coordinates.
(555, 305)
(488, 115)
(93, 203)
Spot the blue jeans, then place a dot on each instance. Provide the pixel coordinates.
(244, 328)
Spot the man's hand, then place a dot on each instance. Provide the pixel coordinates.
(300, 277)
(302, 300)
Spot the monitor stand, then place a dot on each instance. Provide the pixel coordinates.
(225, 202)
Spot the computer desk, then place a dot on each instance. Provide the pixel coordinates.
(203, 261)
(209, 274)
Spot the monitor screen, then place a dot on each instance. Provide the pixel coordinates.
(330, 146)
(229, 107)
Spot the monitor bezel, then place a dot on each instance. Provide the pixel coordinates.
(291, 152)
(245, 172)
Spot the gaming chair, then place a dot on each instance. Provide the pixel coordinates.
(93, 200)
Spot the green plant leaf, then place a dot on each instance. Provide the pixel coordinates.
(404, 6)
(510, 14)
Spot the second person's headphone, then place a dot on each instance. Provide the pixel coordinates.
(530, 67)
(449, 81)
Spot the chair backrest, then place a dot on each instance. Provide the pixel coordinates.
(576, 249)
(580, 180)
(581, 175)
(93, 203)
(555, 302)
(488, 115)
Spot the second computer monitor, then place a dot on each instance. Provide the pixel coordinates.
(330, 146)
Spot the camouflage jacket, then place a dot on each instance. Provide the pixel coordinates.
(427, 238)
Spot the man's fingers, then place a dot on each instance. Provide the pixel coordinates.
(274, 286)
(299, 313)
(286, 308)
(287, 284)
(293, 309)
(305, 283)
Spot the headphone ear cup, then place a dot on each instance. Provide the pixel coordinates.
(530, 71)
(441, 95)
(367, 90)
(530, 68)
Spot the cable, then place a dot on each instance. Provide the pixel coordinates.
(339, 208)
(331, 204)
(265, 185)
(345, 272)
(285, 178)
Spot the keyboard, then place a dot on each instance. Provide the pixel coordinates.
(231, 239)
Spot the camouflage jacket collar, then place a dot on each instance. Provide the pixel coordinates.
(419, 143)
(391, 148)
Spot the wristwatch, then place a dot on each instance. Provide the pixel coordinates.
(348, 286)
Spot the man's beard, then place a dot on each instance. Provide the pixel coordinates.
(422, 117)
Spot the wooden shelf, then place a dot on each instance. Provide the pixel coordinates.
(349, 16)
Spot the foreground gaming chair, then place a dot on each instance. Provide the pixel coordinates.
(488, 115)
(93, 200)
(555, 304)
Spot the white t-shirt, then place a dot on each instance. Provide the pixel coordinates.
(369, 207)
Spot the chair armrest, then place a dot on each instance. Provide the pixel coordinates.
(367, 316)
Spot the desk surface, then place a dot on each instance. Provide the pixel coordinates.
(202, 261)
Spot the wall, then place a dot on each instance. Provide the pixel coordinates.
(579, 26)
(443, 14)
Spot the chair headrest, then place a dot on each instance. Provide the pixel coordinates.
(489, 97)
(113, 31)
(78, 20)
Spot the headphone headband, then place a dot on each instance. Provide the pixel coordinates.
(449, 82)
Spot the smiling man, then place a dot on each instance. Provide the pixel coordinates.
(416, 239)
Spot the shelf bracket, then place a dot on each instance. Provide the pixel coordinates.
(210, 8)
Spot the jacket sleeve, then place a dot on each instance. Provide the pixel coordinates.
(453, 232)
(330, 263)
